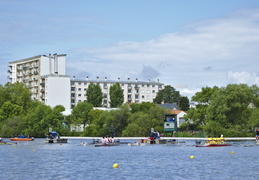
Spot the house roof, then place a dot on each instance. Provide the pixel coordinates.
(171, 106)
(176, 111)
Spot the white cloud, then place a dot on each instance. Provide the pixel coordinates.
(243, 77)
(201, 56)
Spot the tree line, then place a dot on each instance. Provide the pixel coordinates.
(231, 110)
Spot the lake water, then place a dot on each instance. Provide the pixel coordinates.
(37, 160)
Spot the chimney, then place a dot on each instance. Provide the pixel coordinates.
(136, 79)
(157, 80)
(119, 79)
(148, 80)
(97, 78)
(105, 78)
(87, 78)
(128, 79)
(74, 77)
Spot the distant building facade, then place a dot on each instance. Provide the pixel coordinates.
(46, 78)
(133, 91)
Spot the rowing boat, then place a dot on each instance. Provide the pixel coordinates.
(21, 139)
(6, 143)
(213, 145)
(109, 144)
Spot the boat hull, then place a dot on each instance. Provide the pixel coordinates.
(21, 139)
(213, 145)
(104, 145)
(59, 140)
(6, 143)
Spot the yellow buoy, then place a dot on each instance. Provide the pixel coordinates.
(233, 152)
(191, 157)
(33, 150)
(115, 165)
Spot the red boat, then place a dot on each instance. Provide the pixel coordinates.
(21, 139)
(213, 145)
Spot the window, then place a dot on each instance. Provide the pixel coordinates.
(153, 91)
(79, 83)
(79, 89)
(148, 91)
(143, 97)
(147, 85)
(79, 95)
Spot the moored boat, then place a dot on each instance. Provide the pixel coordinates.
(22, 139)
(53, 137)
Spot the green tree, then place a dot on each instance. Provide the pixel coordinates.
(139, 125)
(9, 110)
(198, 115)
(94, 95)
(11, 127)
(117, 120)
(38, 120)
(17, 94)
(98, 127)
(167, 95)
(229, 107)
(116, 95)
(144, 117)
(184, 103)
(80, 113)
(144, 106)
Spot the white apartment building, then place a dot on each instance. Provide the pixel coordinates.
(134, 91)
(47, 80)
(45, 76)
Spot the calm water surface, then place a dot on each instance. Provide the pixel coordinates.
(37, 160)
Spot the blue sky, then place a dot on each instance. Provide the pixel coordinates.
(188, 44)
